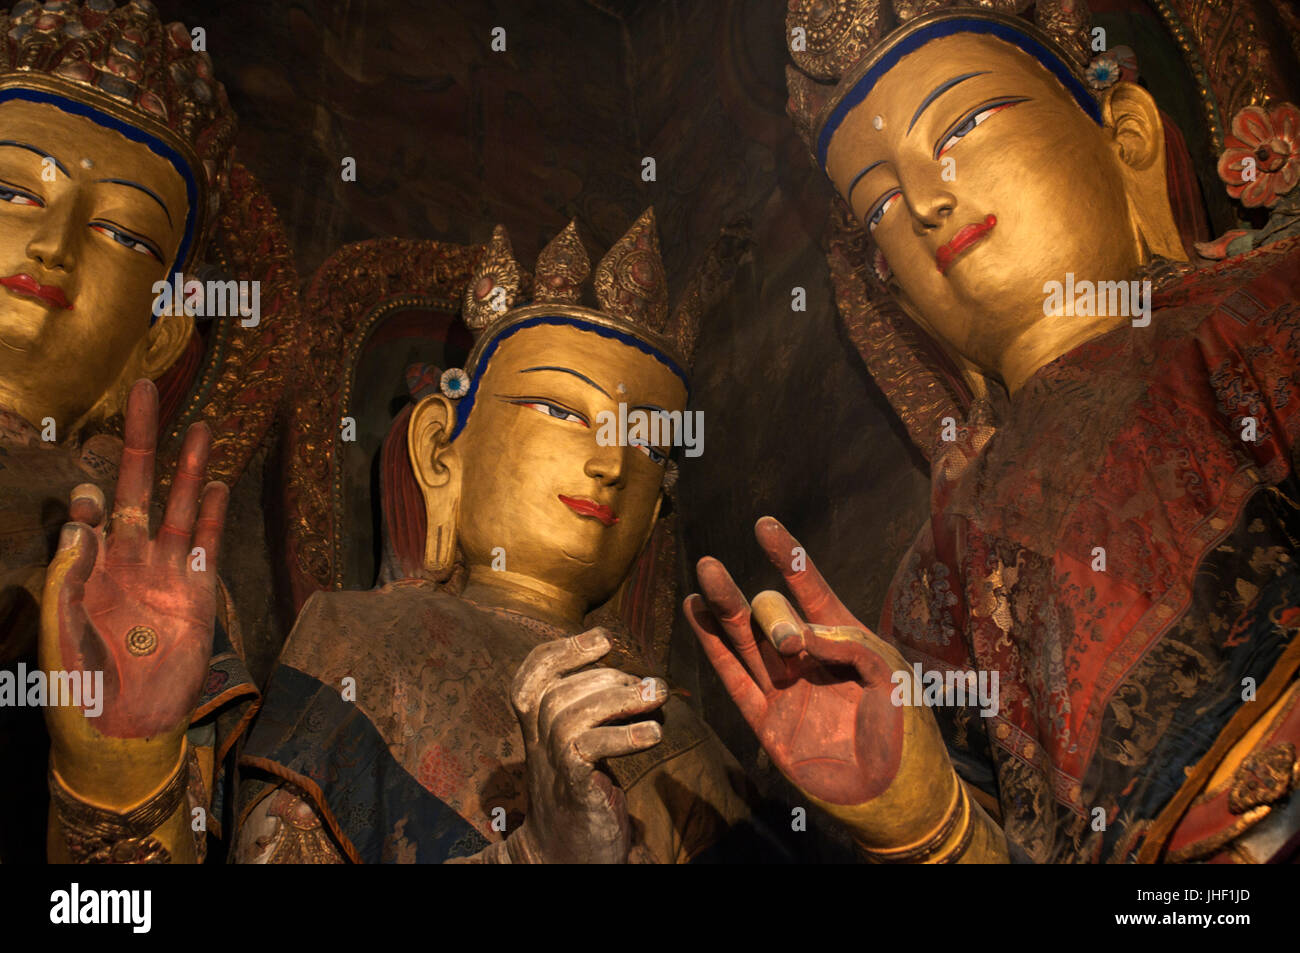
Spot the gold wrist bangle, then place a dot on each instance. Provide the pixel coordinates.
(97, 835)
(939, 846)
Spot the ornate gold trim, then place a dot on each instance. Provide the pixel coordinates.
(936, 847)
(346, 299)
(97, 835)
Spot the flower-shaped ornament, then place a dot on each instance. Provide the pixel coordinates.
(1261, 161)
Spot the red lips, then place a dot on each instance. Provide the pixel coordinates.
(590, 508)
(28, 286)
(966, 236)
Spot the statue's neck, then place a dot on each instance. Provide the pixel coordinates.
(51, 423)
(528, 596)
(16, 429)
(1045, 341)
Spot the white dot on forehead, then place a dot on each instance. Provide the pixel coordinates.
(622, 388)
(878, 122)
(87, 163)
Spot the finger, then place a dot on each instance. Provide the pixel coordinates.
(551, 659)
(65, 587)
(598, 708)
(875, 661)
(742, 689)
(732, 610)
(86, 504)
(212, 519)
(614, 740)
(130, 521)
(608, 704)
(839, 645)
(564, 692)
(814, 595)
(173, 541)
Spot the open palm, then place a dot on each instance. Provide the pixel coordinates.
(140, 610)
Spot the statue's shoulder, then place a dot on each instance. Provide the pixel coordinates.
(387, 628)
(1270, 273)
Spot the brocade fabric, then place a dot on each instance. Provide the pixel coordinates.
(1136, 447)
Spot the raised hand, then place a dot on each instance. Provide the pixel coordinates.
(140, 610)
(817, 693)
(576, 813)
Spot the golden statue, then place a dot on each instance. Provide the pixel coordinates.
(115, 153)
(387, 732)
(1088, 653)
(110, 139)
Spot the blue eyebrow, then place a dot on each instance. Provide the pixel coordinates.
(939, 91)
(565, 370)
(40, 152)
(858, 178)
(149, 192)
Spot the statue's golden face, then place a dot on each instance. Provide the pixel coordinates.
(955, 154)
(540, 496)
(89, 222)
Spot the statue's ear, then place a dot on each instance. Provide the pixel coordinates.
(164, 344)
(1138, 139)
(438, 470)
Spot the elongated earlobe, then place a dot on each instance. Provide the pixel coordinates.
(438, 471)
(163, 345)
(1134, 120)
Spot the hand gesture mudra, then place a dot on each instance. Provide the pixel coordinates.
(140, 609)
(817, 692)
(576, 813)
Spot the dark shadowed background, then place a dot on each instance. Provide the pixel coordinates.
(451, 138)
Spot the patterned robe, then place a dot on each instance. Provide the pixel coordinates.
(389, 715)
(1118, 542)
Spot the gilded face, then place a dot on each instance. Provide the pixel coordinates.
(536, 481)
(89, 222)
(984, 181)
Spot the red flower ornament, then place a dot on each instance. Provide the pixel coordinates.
(1261, 161)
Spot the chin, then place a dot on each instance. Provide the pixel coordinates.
(18, 333)
(581, 544)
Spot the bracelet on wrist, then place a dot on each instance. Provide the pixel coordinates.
(943, 845)
(98, 835)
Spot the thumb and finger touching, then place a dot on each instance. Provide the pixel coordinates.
(872, 659)
(816, 599)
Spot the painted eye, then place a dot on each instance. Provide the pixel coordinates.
(14, 197)
(654, 455)
(126, 239)
(883, 206)
(967, 125)
(553, 410)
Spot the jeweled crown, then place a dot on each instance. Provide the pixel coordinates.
(630, 287)
(831, 41)
(125, 62)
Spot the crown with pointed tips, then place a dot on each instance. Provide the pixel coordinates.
(629, 285)
(124, 69)
(842, 46)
